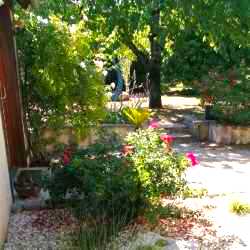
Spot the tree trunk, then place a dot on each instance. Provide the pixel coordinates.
(155, 61)
(155, 86)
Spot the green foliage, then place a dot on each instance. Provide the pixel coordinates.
(135, 116)
(158, 211)
(114, 118)
(240, 208)
(147, 247)
(161, 243)
(160, 170)
(231, 94)
(105, 183)
(60, 85)
(103, 235)
(177, 33)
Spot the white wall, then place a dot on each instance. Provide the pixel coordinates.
(5, 194)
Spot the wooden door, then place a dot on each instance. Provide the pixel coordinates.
(10, 98)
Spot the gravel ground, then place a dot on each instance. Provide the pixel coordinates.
(39, 230)
(225, 172)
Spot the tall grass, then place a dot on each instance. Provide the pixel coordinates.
(106, 233)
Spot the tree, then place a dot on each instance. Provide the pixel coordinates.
(61, 86)
(165, 20)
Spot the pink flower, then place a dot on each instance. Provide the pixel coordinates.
(167, 138)
(153, 124)
(192, 158)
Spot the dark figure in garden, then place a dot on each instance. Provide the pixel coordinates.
(114, 75)
(138, 79)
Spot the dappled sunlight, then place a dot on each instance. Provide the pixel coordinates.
(180, 101)
(176, 102)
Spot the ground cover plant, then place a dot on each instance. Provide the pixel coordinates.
(240, 208)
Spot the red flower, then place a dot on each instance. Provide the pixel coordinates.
(192, 158)
(167, 138)
(233, 82)
(127, 150)
(153, 124)
(66, 159)
(67, 156)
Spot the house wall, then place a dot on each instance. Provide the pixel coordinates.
(10, 100)
(5, 193)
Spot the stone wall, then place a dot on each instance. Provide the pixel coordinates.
(211, 131)
(67, 135)
(226, 134)
(5, 193)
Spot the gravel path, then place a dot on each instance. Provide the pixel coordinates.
(225, 172)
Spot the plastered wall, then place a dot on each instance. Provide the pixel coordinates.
(5, 193)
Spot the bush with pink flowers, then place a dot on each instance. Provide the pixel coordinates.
(161, 170)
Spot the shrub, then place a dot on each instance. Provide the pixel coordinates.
(109, 183)
(102, 181)
(160, 169)
(105, 180)
(230, 94)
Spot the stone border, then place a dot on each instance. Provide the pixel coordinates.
(208, 130)
(228, 134)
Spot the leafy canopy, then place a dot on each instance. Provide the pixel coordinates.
(60, 84)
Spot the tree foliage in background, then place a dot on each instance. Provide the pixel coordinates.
(164, 21)
(174, 39)
(60, 85)
(192, 58)
(230, 92)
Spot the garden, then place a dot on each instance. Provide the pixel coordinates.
(137, 117)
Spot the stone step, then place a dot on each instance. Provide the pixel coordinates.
(175, 127)
(182, 137)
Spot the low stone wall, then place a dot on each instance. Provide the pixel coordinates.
(5, 193)
(67, 136)
(204, 130)
(226, 134)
